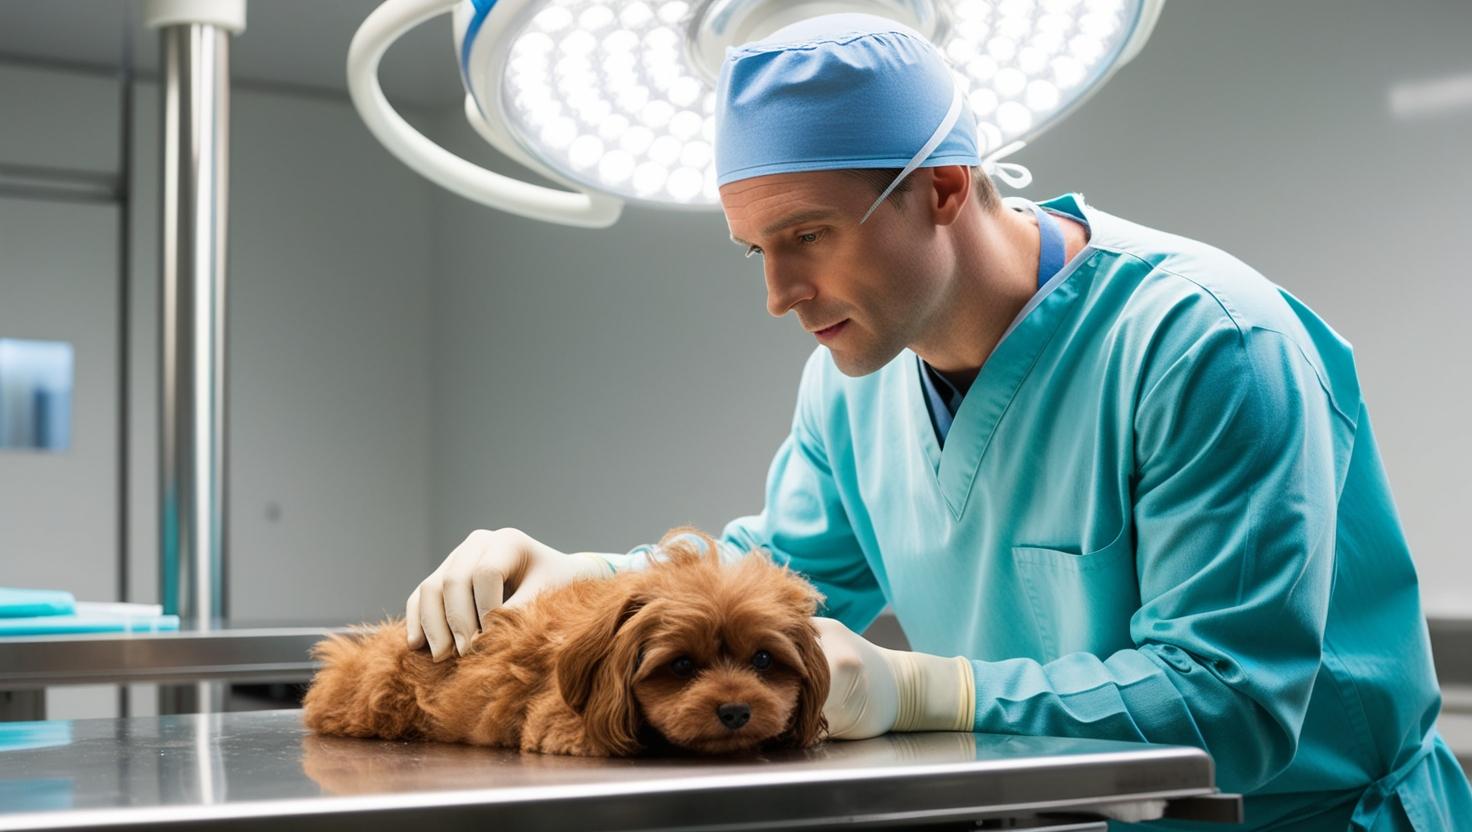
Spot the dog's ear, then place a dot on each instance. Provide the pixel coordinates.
(808, 725)
(595, 672)
(687, 544)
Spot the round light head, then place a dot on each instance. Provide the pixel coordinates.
(619, 95)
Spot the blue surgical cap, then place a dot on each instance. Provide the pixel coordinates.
(839, 91)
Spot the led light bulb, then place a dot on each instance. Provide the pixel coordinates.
(982, 67)
(578, 42)
(635, 15)
(657, 114)
(633, 99)
(665, 150)
(1031, 60)
(594, 18)
(1014, 28)
(685, 91)
(697, 154)
(1042, 96)
(684, 125)
(559, 132)
(613, 127)
(615, 167)
(585, 152)
(673, 12)
(636, 139)
(1098, 25)
(983, 101)
(620, 42)
(553, 19)
(1013, 118)
(1010, 82)
(649, 177)
(1002, 49)
(1067, 71)
(684, 184)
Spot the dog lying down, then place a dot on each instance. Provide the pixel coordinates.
(688, 655)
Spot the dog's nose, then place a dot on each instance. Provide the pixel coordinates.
(734, 715)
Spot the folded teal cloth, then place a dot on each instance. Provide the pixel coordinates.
(19, 736)
(18, 603)
(39, 625)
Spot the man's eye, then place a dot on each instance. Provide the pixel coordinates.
(753, 250)
(810, 237)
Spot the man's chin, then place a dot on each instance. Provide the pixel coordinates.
(857, 364)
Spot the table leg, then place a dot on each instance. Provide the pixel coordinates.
(22, 705)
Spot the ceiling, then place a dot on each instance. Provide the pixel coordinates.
(295, 42)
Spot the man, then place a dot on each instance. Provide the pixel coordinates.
(1124, 482)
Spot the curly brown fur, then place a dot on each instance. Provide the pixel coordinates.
(593, 667)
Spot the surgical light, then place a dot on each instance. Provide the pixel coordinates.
(614, 99)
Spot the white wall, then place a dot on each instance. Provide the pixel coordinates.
(328, 331)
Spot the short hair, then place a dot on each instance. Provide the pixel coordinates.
(981, 184)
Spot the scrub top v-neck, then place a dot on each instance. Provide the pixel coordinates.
(942, 397)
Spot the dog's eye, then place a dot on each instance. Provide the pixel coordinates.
(683, 667)
(762, 660)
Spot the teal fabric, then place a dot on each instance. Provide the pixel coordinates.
(20, 603)
(942, 398)
(35, 612)
(1159, 516)
(42, 625)
(23, 736)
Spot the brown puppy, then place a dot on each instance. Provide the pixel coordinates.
(688, 654)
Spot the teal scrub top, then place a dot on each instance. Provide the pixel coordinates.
(1159, 516)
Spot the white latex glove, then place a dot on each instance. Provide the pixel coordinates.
(875, 690)
(446, 609)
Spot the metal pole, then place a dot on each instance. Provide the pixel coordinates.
(195, 86)
(125, 328)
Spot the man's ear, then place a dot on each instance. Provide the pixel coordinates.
(949, 192)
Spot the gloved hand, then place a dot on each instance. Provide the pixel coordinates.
(446, 609)
(875, 690)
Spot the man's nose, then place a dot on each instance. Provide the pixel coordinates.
(785, 291)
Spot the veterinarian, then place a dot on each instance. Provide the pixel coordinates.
(1113, 482)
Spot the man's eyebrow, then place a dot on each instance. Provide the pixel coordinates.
(796, 219)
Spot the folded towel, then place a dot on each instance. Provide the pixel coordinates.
(32, 612)
(115, 609)
(18, 736)
(16, 603)
(38, 625)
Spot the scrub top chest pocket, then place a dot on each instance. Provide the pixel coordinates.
(1081, 601)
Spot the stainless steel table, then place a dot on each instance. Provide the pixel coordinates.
(228, 651)
(238, 651)
(263, 770)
